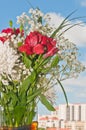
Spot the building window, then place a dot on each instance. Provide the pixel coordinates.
(72, 113)
(68, 113)
(79, 113)
(53, 124)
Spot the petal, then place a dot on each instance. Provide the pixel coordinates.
(8, 30)
(25, 48)
(3, 39)
(38, 49)
(51, 52)
(44, 40)
(33, 40)
(52, 41)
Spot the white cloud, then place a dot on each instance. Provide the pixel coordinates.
(78, 82)
(84, 62)
(75, 87)
(81, 95)
(77, 34)
(83, 3)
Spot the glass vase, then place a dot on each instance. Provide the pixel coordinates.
(32, 126)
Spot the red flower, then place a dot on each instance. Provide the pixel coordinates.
(32, 42)
(38, 49)
(3, 39)
(36, 43)
(50, 45)
(25, 48)
(51, 52)
(13, 31)
(8, 30)
(31, 39)
(44, 40)
(17, 31)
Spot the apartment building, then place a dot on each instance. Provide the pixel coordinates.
(72, 117)
(74, 112)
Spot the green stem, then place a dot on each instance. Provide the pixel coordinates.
(63, 91)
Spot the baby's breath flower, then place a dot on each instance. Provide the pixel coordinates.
(8, 58)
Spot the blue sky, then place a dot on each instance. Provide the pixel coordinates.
(9, 9)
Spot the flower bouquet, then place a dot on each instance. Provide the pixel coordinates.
(33, 59)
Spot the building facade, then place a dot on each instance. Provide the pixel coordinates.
(72, 117)
(48, 121)
(74, 112)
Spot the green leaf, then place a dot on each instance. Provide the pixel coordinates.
(32, 77)
(63, 91)
(13, 98)
(31, 115)
(4, 100)
(45, 70)
(0, 84)
(40, 19)
(19, 44)
(55, 61)
(1, 87)
(46, 61)
(27, 61)
(19, 113)
(27, 83)
(45, 102)
(21, 28)
(71, 26)
(24, 86)
(62, 25)
(10, 23)
(34, 94)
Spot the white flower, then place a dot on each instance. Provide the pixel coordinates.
(5, 82)
(8, 58)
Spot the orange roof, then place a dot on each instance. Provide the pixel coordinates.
(43, 118)
(47, 118)
(53, 118)
(63, 129)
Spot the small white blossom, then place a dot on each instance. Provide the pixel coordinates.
(5, 82)
(8, 58)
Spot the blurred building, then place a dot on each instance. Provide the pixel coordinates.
(48, 121)
(72, 117)
(74, 112)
